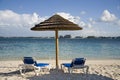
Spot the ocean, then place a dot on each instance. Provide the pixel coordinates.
(17, 48)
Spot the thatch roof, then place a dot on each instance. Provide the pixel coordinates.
(56, 22)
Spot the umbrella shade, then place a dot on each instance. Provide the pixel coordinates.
(56, 23)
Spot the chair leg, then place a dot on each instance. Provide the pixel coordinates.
(83, 70)
(37, 70)
(87, 68)
(70, 70)
(61, 66)
(22, 69)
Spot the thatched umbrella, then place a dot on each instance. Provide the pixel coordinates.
(56, 23)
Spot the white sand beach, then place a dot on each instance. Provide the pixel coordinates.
(98, 70)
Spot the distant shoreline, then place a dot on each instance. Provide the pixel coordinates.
(89, 37)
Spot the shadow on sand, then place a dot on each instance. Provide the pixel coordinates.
(60, 75)
(13, 73)
(9, 73)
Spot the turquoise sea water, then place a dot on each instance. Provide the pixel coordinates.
(16, 48)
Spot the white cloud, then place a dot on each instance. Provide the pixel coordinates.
(68, 16)
(10, 18)
(92, 21)
(74, 19)
(107, 16)
(77, 20)
(14, 24)
(82, 23)
(110, 18)
(89, 25)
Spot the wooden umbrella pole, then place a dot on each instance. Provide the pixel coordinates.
(57, 48)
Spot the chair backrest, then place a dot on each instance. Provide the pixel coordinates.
(28, 60)
(78, 61)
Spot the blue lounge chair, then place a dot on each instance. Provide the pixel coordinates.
(30, 63)
(77, 63)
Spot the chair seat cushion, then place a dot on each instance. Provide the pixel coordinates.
(41, 64)
(67, 64)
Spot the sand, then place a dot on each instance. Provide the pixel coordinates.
(98, 70)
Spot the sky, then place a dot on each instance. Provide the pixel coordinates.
(96, 17)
